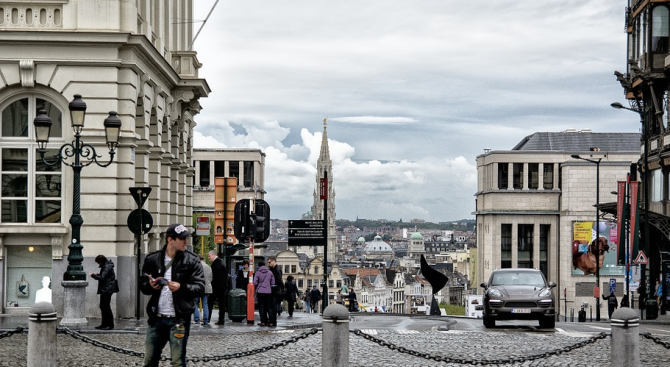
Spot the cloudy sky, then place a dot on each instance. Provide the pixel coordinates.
(413, 92)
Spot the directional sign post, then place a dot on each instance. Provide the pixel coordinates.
(306, 233)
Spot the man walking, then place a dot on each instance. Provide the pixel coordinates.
(173, 277)
(207, 270)
(219, 286)
(277, 291)
(315, 297)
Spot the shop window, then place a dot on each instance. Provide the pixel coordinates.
(544, 249)
(31, 190)
(26, 268)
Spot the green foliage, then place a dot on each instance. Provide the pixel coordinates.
(455, 310)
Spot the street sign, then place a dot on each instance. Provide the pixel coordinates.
(140, 194)
(140, 221)
(202, 226)
(641, 259)
(306, 233)
(612, 285)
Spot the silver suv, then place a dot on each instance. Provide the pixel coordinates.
(519, 294)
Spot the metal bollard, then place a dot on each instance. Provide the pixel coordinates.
(335, 337)
(42, 335)
(625, 345)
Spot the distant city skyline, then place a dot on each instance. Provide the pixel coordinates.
(412, 92)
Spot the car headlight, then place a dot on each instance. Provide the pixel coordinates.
(546, 293)
(495, 293)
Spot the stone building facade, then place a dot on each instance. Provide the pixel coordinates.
(528, 199)
(133, 57)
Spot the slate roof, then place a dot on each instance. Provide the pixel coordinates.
(576, 141)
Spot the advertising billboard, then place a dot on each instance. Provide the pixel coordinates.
(585, 249)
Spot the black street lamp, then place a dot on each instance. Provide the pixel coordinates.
(78, 150)
(645, 189)
(597, 163)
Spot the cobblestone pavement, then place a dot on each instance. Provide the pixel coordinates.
(467, 346)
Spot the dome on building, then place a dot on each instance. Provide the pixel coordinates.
(360, 239)
(377, 245)
(416, 236)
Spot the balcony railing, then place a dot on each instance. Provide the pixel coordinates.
(31, 15)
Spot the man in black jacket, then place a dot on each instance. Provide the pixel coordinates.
(173, 277)
(219, 286)
(106, 288)
(277, 290)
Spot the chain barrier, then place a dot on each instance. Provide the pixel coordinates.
(282, 343)
(98, 343)
(656, 340)
(438, 358)
(9, 333)
(133, 353)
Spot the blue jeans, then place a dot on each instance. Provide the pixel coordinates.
(205, 310)
(175, 330)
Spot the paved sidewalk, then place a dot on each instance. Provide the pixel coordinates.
(300, 320)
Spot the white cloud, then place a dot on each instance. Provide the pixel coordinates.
(416, 90)
(375, 120)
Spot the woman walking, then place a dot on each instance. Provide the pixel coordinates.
(107, 286)
(263, 281)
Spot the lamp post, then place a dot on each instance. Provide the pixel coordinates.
(645, 189)
(82, 155)
(597, 294)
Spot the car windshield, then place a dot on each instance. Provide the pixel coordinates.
(519, 278)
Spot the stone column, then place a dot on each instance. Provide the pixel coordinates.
(335, 337)
(625, 345)
(74, 292)
(42, 335)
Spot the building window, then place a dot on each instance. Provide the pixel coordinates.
(544, 249)
(659, 29)
(204, 174)
(517, 176)
(287, 268)
(316, 269)
(339, 284)
(248, 174)
(234, 170)
(219, 168)
(505, 245)
(309, 283)
(300, 283)
(548, 174)
(31, 190)
(525, 246)
(294, 269)
(503, 175)
(533, 176)
(656, 185)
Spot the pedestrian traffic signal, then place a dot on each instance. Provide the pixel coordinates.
(252, 224)
(261, 221)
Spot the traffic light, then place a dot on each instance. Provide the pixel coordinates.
(248, 224)
(261, 221)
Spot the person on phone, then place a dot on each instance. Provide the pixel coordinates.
(107, 286)
(173, 277)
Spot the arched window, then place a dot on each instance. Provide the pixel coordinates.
(30, 190)
(660, 29)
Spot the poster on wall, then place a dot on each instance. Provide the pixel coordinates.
(585, 249)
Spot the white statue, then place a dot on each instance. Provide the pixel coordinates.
(44, 294)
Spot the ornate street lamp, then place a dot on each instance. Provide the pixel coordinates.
(597, 163)
(82, 154)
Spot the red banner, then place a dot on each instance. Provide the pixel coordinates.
(620, 224)
(324, 189)
(633, 215)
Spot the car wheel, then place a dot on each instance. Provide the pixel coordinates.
(547, 323)
(489, 322)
